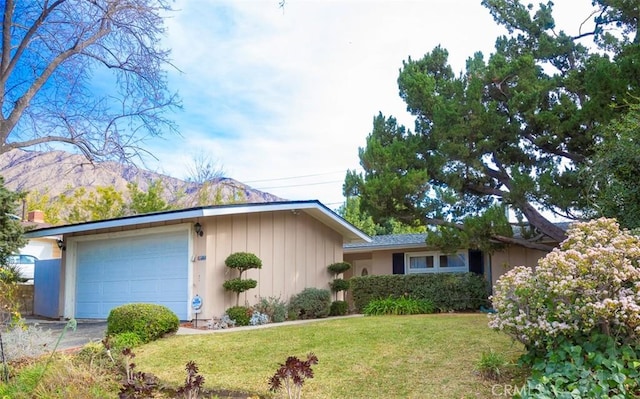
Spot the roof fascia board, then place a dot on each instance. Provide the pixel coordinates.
(292, 206)
(368, 248)
(143, 219)
(348, 230)
(359, 235)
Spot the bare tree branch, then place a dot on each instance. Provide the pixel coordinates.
(46, 88)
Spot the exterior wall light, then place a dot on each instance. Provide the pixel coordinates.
(198, 229)
(61, 244)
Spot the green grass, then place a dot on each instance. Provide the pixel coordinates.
(422, 356)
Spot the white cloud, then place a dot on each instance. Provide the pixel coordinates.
(274, 94)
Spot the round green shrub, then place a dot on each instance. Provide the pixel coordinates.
(340, 267)
(243, 261)
(339, 284)
(240, 314)
(311, 303)
(238, 285)
(338, 308)
(148, 320)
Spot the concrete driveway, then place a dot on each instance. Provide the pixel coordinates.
(86, 331)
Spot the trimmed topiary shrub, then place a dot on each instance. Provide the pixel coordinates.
(241, 261)
(340, 267)
(238, 285)
(338, 308)
(311, 303)
(447, 291)
(240, 314)
(339, 284)
(148, 320)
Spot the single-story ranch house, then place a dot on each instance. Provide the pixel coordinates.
(173, 256)
(170, 257)
(409, 253)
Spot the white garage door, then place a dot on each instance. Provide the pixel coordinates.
(148, 268)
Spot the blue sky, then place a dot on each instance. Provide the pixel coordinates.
(283, 99)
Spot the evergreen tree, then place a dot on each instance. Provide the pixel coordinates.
(11, 230)
(513, 131)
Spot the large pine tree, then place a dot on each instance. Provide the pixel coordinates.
(518, 129)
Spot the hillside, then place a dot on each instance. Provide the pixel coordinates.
(58, 172)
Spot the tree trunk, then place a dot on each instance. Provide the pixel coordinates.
(543, 224)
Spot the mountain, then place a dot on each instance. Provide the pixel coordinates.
(58, 172)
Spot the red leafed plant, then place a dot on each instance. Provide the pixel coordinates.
(292, 374)
(193, 383)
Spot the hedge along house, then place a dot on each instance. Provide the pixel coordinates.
(170, 257)
(409, 253)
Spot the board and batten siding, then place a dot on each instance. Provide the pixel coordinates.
(512, 256)
(295, 250)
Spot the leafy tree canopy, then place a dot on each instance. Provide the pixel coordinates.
(352, 212)
(105, 202)
(89, 74)
(513, 130)
(146, 201)
(615, 170)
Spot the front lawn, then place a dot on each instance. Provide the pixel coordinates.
(425, 356)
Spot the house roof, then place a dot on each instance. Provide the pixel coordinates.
(391, 241)
(401, 241)
(313, 208)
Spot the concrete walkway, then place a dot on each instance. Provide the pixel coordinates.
(193, 331)
(95, 330)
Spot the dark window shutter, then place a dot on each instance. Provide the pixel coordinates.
(398, 263)
(476, 261)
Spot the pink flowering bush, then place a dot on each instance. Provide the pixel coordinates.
(590, 284)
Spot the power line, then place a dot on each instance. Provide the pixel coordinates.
(299, 185)
(296, 177)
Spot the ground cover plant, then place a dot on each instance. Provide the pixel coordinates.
(421, 356)
(398, 306)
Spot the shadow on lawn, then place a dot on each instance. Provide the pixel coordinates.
(214, 394)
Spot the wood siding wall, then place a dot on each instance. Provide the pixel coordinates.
(512, 256)
(295, 250)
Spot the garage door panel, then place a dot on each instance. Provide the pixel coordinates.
(169, 291)
(146, 288)
(165, 272)
(113, 290)
(177, 307)
(89, 310)
(92, 274)
(88, 289)
(150, 268)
